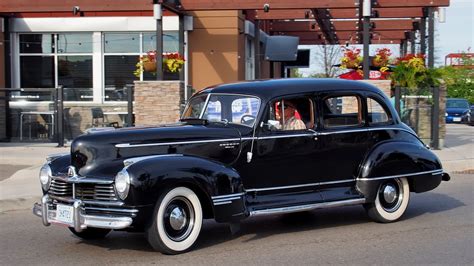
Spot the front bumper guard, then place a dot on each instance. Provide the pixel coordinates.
(80, 220)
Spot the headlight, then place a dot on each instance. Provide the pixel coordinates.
(122, 183)
(45, 176)
(445, 114)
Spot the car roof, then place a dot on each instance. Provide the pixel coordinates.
(274, 87)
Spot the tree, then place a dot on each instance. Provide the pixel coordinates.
(326, 58)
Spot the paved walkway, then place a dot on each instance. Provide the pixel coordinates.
(20, 164)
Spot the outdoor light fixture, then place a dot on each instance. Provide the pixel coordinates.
(266, 8)
(75, 10)
(157, 12)
(366, 8)
(441, 15)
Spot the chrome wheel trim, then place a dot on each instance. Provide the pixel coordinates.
(391, 201)
(178, 219)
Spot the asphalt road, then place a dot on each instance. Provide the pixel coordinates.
(438, 228)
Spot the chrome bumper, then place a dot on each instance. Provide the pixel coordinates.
(80, 220)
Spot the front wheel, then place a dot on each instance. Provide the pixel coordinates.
(391, 201)
(177, 221)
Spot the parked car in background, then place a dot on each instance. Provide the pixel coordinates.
(457, 110)
(232, 156)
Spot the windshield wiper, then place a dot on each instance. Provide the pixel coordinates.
(194, 121)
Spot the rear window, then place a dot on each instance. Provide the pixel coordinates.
(377, 112)
(342, 111)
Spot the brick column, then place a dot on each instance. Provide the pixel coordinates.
(158, 102)
(383, 85)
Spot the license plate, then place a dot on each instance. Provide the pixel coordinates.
(457, 119)
(65, 214)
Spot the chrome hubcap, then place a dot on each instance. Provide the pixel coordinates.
(178, 218)
(389, 193)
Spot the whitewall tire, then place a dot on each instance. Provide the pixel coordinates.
(391, 201)
(177, 221)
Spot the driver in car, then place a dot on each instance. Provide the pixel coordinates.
(290, 122)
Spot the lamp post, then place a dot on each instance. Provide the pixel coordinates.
(366, 13)
(158, 15)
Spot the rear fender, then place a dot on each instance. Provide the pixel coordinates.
(218, 186)
(394, 159)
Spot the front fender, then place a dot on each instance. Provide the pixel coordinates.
(210, 180)
(394, 159)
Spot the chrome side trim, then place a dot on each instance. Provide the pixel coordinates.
(227, 196)
(226, 199)
(298, 186)
(287, 136)
(128, 145)
(130, 161)
(307, 207)
(323, 133)
(432, 172)
(222, 203)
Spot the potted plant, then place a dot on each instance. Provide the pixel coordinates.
(382, 58)
(172, 63)
(351, 58)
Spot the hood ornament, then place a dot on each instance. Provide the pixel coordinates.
(71, 171)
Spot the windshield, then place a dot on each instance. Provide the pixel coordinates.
(231, 108)
(457, 104)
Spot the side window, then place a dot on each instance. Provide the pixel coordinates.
(214, 111)
(342, 111)
(291, 114)
(245, 110)
(377, 114)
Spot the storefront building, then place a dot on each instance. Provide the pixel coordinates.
(93, 55)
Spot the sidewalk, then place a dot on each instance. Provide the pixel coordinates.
(20, 189)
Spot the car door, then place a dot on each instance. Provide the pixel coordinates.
(281, 172)
(344, 141)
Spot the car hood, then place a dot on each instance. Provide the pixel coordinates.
(456, 110)
(102, 153)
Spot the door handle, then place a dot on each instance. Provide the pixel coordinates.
(315, 134)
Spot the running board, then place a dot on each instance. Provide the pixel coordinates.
(308, 207)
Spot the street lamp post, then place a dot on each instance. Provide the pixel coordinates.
(366, 13)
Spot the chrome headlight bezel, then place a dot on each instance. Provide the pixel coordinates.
(45, 176)
(122, 184)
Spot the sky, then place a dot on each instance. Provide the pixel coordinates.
(455, 35)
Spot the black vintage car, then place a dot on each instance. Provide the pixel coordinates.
(241, 150)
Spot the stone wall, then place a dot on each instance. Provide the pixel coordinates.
(158, 102)
(383, 85)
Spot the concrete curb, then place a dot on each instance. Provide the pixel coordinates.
(18, 204)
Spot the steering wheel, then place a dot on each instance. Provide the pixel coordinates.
(247, 119)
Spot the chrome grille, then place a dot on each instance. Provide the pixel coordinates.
(95, 192)
(60, 188)
(83, 191)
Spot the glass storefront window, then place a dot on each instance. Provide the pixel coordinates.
(37, 43)
(170, 42)
(75, 43)
(122, 42)
(37, 72)
(118, 73)
(75, 74)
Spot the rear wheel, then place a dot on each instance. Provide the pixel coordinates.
(177, 221)
(391, 201)
(91, 233)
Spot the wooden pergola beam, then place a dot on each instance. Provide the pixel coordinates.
(380, 25)
(300, 4)
(339, 13)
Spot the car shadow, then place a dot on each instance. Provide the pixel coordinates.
(213, 233)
